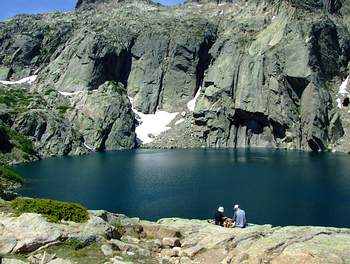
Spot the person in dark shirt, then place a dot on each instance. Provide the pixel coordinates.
(219, 216)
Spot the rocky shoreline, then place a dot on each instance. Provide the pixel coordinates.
(115, 238)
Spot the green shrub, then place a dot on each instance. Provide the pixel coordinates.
(113, 82)
(20, 141)
(10, 175)
(54, 210)
(15, 97)
(121, 89)
(63, 109)
(49, 91)
(119, 227)
(21, 110)
(74, 243)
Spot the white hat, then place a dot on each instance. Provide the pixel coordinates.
(236, 206)
(221, 209)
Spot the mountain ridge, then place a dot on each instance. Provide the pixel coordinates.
(264, 73)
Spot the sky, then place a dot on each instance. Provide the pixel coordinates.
(9, 8)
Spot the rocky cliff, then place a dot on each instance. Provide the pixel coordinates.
(239, 73)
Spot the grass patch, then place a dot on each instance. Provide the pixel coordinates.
(74, 243)
(10, 175)
(55, 211)
(69, 250)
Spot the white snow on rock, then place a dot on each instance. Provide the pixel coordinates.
(88, 147)
(178, 122)
(191, 104)
(151, 125)
(28, 80)
(342, 88)
(70, 93)
(342, 91)
(339, 103)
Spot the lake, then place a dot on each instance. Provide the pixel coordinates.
(274, 186)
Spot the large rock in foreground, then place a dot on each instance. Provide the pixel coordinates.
(174, 240)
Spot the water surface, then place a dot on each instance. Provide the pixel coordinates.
(273, 186)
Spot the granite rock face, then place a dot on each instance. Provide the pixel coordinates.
(268, 73)
(170, 240)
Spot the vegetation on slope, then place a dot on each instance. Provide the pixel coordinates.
(55, 211)
(10, 175)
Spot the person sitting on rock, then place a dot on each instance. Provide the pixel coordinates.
(239, 218)
(219, 216)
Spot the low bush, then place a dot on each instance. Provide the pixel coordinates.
(20, 141)
(62, 109)
(15, 97)
(10, 175)
(55, 211)
(119, 87)
(49, 91)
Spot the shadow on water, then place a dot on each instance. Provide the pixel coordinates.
(274, 186)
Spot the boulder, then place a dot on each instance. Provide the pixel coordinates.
(153, 230)
(168, 253)
(23, 238)
(130, 248)
(107, 250)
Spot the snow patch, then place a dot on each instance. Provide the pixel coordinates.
(88, 147)
(342, 91)
(28, 80)
(339, 104)
(151, 125)
(178, 122)
(342, 88)
(191, 104)
(70, 93)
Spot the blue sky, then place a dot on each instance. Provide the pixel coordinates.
(10, 8)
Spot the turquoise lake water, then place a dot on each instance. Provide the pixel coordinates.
(273, 186)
